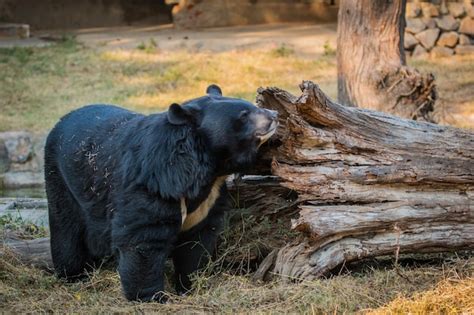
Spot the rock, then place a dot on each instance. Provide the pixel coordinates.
(18, 144)
(447, 23)
(429, 22)
(4, 160)
(443, 9)
(441, 51)
(429, 9)
(456, 9)
(464, 40)
(464, 49)
(14, 180)
(410, 41)
(467, 26)
(449, 39)
(428, 37)
(469, 9)
(415, 26)
(419, 52)
(413, 10)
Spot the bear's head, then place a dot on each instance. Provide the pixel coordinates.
(232, 129)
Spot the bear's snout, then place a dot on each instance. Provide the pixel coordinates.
(266, 123)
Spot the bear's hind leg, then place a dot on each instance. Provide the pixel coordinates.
(67, 231)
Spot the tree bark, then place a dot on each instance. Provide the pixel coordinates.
(368, 183)
(372, 70)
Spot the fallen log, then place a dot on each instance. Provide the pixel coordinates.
(36, 252)
(368, 183)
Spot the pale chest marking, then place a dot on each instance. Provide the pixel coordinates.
(201, 212)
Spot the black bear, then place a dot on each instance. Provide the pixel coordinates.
(143, 188)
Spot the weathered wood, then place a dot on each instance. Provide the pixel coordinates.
(368, 183)
(36, 252)
(372, 70)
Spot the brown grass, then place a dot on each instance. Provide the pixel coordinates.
(442, 282)
(39, 85)
(450, 296)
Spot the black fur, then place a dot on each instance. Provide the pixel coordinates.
(115, 178)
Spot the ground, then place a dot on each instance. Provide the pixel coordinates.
(146, 69)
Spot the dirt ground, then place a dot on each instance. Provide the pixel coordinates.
(307, 40)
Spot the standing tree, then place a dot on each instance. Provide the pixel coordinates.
(371, 64)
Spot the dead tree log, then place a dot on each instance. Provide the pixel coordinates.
(36, 252)
(371, 66)
(368, 183)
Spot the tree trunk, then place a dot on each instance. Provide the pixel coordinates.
(363, 184)
(368, 183)
(372, 70)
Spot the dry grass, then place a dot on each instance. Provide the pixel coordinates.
(455, 82)
(443, 282)
(39, 85)
(450, 296)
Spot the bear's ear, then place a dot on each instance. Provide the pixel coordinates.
(178, 115)
(214, 90)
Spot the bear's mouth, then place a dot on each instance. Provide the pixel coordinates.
(264, 136)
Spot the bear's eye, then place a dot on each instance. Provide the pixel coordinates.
(244, 116)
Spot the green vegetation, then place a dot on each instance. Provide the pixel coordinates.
(283, 51)
(328, 49)
(21, 227)
(149, 47)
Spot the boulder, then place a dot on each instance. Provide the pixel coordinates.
(464, 40)
(415, 26)
(464, 49)
(18, 144)
(447, 23)
(467, 26)
(456, 9)
(419, 52)
(429, 9)
(449, 39)
(413, 10)
(441, 51)
(410, 41)
(428, 37)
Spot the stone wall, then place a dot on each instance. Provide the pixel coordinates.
(21, 159)
(439, 28)
(213, 13)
